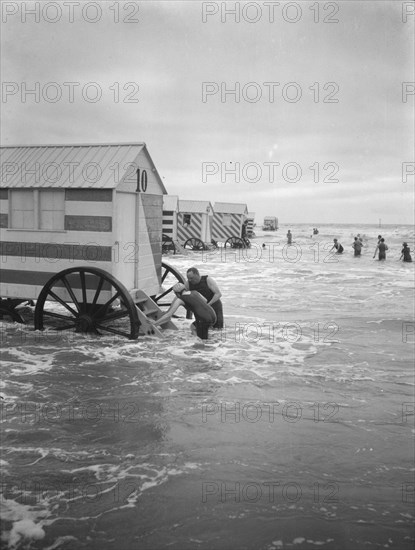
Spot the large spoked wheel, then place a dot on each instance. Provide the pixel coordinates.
(88, 300)
(167, 245)
(194, 244)
(169, 277)
(234, 242)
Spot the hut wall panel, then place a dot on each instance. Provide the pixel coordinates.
(77, 208)
(80, 238)
(4, 206)
(88, 223)
(41, 265)
(169, 226)
(206, 234)
(125, 264)
(192, 231)
(28, 292)
(222, 233)
(52, 252)
(88, 195)
(149, 227)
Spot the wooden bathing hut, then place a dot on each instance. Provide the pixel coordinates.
(250, 225)
(229, 223)
(270, 223)
(193, 224)
(81, 230)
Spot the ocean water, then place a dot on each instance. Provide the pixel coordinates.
(291, 428)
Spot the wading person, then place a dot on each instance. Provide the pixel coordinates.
(207, 288)
(357, 245)
(406, 253)
(339, 248)
(382, 247)
(193, 300)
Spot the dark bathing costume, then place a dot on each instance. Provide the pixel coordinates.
(382, 251)
(204, 313)
(406, 251)
(205, 291)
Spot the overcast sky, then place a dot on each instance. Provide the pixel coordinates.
(325, 89)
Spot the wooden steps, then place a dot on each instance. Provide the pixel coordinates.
(148, 310)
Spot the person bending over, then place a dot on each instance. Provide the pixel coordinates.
(207, 288)
(193, 300)
(339, 248)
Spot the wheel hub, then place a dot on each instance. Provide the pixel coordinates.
(84, 323)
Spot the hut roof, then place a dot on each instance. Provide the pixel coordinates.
(251, 215)
(195, 206)
(170, 202)
(230, 208)
(61, 166)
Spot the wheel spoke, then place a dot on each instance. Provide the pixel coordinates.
(114, 316)
(168, 270)
(62, 302)
(112, 330)
(164, 294)
(105, 306)
(98, 291)
(83, 285)
(71, 293)
(57, 315)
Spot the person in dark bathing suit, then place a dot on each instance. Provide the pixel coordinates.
(382, 247)
(406, 253)
(357, 245)
(339, 248)
(193, 300)
(207, 288)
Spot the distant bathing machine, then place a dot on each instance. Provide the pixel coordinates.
(229, 220)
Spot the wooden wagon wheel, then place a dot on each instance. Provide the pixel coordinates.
(194, 244)
(8, 308)
(92, 301)
(235, 242)
(169, 277)
(167, 244)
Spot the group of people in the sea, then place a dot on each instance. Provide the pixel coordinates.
(201, 295)
(380, 249)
